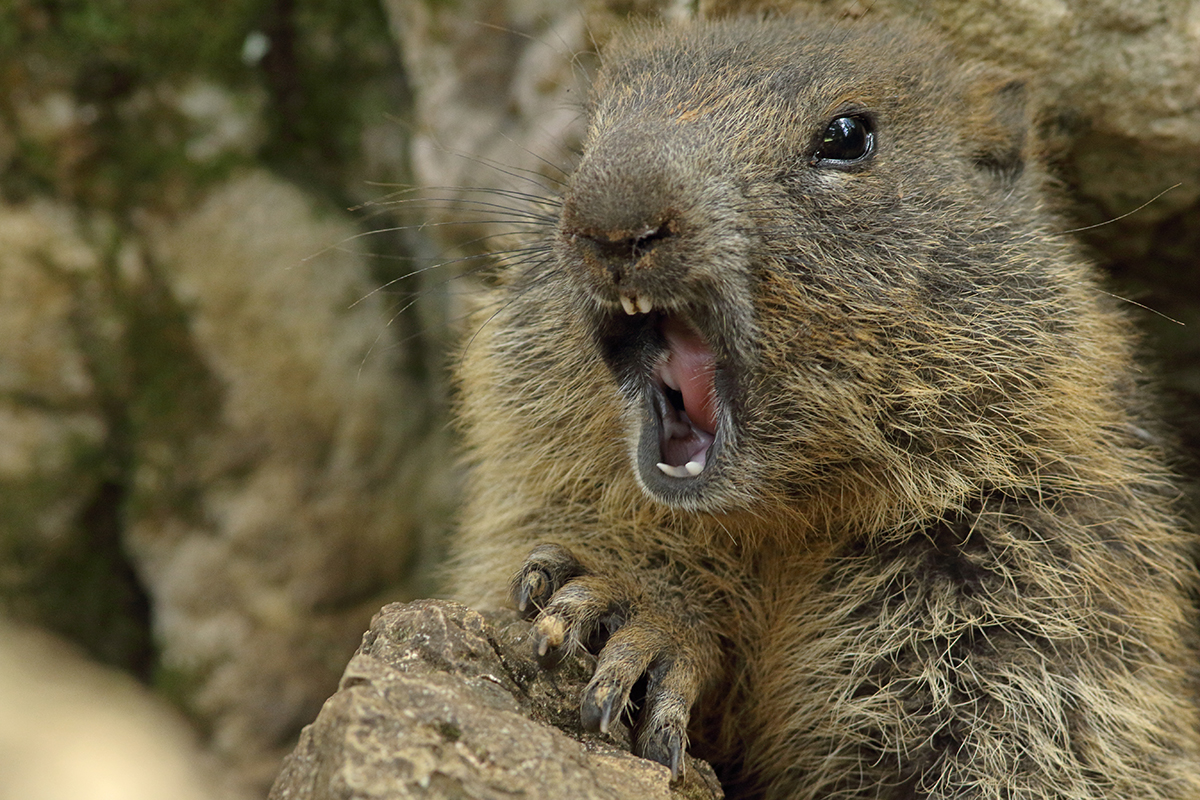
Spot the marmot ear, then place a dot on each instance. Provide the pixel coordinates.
(999, 124)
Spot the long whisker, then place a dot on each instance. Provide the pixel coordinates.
(1126, 214)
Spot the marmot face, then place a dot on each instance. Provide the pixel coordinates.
(775, 240)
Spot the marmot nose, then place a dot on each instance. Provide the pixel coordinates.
(622, 252)
(620, 206)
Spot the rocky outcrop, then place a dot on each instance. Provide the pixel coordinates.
(204, 432)
(442, 702)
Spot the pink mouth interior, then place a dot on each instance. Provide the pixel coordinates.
(689, 369)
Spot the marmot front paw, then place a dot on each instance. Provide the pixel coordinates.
(632, 635)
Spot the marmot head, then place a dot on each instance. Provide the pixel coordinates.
(811, 256)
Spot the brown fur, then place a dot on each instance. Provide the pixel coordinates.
(935, 552)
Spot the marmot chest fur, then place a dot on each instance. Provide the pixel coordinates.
(805, 419)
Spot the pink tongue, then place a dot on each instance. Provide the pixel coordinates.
(693, 365)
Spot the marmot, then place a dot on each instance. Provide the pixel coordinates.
(804, 417)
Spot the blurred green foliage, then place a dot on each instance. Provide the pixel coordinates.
(309, 73)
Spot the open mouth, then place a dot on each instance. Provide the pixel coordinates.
(672, 369)
(685, 400)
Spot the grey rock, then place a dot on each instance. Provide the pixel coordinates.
(443, 702)
(268, 528)
(55, 432)
(207, 412)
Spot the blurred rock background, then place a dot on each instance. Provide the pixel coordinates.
(223, 325)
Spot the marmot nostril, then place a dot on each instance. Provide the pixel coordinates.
(624, 245)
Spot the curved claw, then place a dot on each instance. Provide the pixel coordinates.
(531, 584)
(666, 746)
(601, 702)
(546, 569)
(673, 687)
(549, 634)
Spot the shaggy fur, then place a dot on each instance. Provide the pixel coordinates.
(935, 551)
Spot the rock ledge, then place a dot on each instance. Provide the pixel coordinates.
(441, 701)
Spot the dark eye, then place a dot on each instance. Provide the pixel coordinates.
(846, 140)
